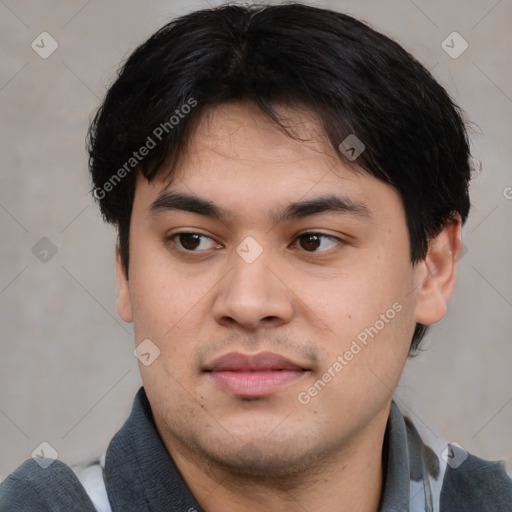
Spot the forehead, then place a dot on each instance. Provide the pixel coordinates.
(241, 130)
(237, 136)
(244, 159)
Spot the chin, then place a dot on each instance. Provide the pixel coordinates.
(264, 459)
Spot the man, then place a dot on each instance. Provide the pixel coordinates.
(288, 187)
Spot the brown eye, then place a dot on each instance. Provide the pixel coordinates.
(317, 242)
(189, 241)
(310, 242)
(192, 242)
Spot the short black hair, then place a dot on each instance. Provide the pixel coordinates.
(355, 79)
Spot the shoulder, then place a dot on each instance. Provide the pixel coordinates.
(471, 483)
(457, 480)
(36, 488)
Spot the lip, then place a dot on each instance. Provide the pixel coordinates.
(254, 375)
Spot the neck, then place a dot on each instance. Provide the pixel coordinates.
(349, 479)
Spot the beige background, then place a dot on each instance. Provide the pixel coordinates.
(67, 373)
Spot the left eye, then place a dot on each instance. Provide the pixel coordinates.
(313, 242)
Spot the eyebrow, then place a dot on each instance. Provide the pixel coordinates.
(329, 203)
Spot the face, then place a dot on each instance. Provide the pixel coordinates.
(276, 283)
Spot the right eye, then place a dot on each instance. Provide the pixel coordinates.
(192, 242)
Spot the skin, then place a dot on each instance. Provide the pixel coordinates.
(306, 301)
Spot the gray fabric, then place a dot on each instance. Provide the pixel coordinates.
(32, 488)
(395, 497)
(476, 485)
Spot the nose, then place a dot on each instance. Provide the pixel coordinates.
(253, 295)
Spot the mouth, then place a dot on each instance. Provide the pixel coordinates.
(254, 375)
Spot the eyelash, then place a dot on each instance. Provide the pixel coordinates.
(172, 239)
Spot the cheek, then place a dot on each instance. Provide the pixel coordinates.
(170, 305)
(369, 311)
(160, 295)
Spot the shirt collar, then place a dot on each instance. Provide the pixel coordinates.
(395, 495)
(139, 473)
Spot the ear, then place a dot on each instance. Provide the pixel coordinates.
(436, 274)
(124, 303)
